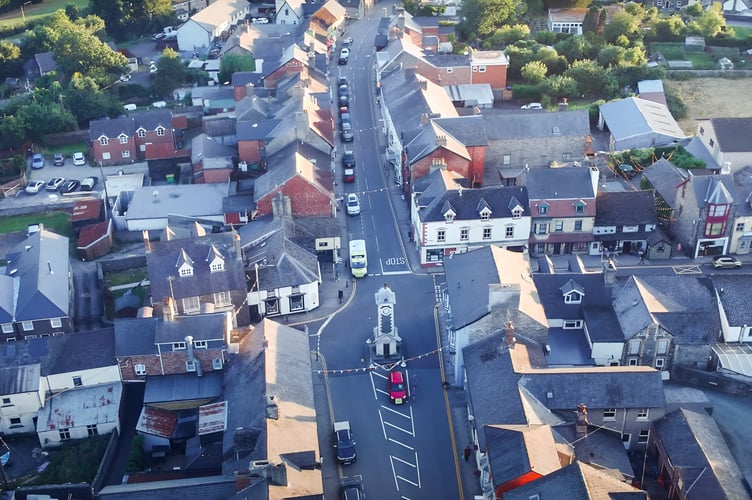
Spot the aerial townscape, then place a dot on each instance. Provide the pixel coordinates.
(346, 249)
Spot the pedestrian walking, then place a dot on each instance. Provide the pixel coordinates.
(642, 256)
(468, 452)
(340, 296)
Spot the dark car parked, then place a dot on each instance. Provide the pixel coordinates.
(59, 159)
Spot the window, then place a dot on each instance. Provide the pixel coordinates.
(642, 414)
(441, 235)
(702, 131)
(572, 324)
(27, 326)
(56, 323)
(578, 225)
(191, 305)
(186, 271)
(449, 216)
(141, 133)
(16, 422)
(92, 430)
(217, 265)
(160, 131)
(222, 299)
(634, 347)
(64, 434)
(77, 382)
(297, 302)
(717, 210)
(200, 344)
(543, 209)
(541, 229)
(714, 228)
(508, 232)
(662, 346)
(27, 337)
(540, 248)
(565, 156)
(487, 233)
(485, 215)
(464, 234)
(106, 155)
(126, 153)
(712, 143)
(609, 414)
(739, 227)
(517, 213)
(272, 306)
(104, 141)
(450, 70)
(190, 366)
(123, 139)
(140, 369)
(572, 298)
(177, 346)
(507, 159)
(7, 328)
(217, 363)
(559, 225)
(6, 401)
(632, 362)
(644, 435)
(481, 69)
(660, 363)
(579, 208)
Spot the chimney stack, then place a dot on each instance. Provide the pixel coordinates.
(609, 272)
(168, 313)
(192, 357)
(147, 243)
(509, 335)
(581, 421)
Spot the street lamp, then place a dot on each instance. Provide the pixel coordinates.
(23, 15)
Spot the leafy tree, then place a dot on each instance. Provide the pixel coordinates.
(635, 56)
(555, 63)
(710, 22)
(621, 23)
(576, 47)
(87, 102)
(592, 79)
(45, 118)
(545, 37)
(669, 27)
(694, 10)
(129, 18)
(611, 55)
(10, 59)
(484, 16)
(232, 63)
(40, 39)
(559, 87)
(171, 73)
(508, 34)
(535, 8)
(534, 71)
(72, 11)
(590, 23)
(12, 132)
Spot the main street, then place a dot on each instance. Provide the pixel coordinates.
(404, 451)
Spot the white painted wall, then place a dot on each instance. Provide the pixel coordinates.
(24, 406)
(94, 376)
(192, 36)
(604, 353)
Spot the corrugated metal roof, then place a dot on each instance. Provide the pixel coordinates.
(212, 418)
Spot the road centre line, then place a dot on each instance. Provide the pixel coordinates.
(402, 444)
(398, 428)
(395, 411)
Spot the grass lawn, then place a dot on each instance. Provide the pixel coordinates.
(58, 222)
(34, 12)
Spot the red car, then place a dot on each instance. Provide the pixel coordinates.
(397, 391)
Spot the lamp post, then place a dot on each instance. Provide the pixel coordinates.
(23, 14)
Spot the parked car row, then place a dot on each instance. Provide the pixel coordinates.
(61, 185)
(58, 160)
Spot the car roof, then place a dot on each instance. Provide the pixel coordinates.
(396, 376)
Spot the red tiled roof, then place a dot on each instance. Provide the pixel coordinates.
(159, 150)
(92, 233)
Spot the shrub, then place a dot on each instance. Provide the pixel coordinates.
(523, 91)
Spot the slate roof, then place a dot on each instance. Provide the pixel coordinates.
(666, 179)
(204, 148)
(711, 189)
(526, 125)
(183, 387)
(218, 12)
(683, 305)
(467, 203)
(284, 251)
(19, 379)
(153, 118)
(295, 160)
(596, 294)
(609, 387)
(632, 117)
(735, 294)
(559, 183)
(468, 130)
(38, 268)
(732, 134)
(140, 336)
(625, 208)
(603, 448)
(45, 62)
(695, 446)
(516, 450)
(580, 481)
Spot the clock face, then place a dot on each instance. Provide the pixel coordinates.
(385, 310)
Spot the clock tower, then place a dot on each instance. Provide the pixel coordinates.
(386, 340)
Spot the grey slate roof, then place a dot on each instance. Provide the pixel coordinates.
(204, 147)
(596, 388)
(683, 305)
(559, 183)
(162, 263)
(665, 178)
(290, 161)
(733, 134)
(111, 128)
(625, 208)
(526, 125)
(467, 203)
(284, 251)
(695, 445)
(580, 481)
(603, 447)
(735, 293)
(596, 294)
(514, 451)
(468, 276)
(40, 266)
(469, 130)
(19, 379)
(153, 118)
(183, 387)
(139, 336)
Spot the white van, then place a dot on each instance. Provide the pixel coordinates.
(130, 107)
(159, 104)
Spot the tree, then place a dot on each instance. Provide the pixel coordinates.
(87, 102)
(508, 34)
(129, 18)
(621, 23)
(559, 87)
(710, 22)
(232, 63)
(171, 73)
(670, 27)
(592, 79)
(12, 132)
(484, 16)
(44, 118)
(590, 23)
(40, 39)
(534, 72)
(10, 59)
(576, 47)
(611, 55)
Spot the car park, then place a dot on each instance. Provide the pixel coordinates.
(69, 186)
(58, 160)
(37, 161)
(353, 204)
(397, 390)
(33, 187)
(726, 262)
(55, 183)
(344, 56)
(79, 159)
(532, 105)
(88, 183)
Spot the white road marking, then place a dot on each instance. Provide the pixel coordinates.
(397, 427)
(403, 461)
(395, 411)
(383, 429)
(408, 481)
(393, 273)
(373, 385)
(402, 444)
(382, 392)
(417, 468)
(394, 473)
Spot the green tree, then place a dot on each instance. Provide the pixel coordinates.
(87, 102)
(670, 27)
(534, 72)
(590, 23)
(559, 87)
(12, 132)
(576, 47)
(611, 55)
(232, 63)
(40, 39)
(635, 56)
(621, 23)
(171, 73)
(592, 79)
(131, 18)
(10, 59)
(508, 34)
(710, 22)
(545, 37)
(72, 11)
(484, 16)
(44, 118)
(694, 10)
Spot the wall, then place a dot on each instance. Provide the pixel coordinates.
(95, 376)
(51, 439)
(305, 199)
(24, 406)
(192, 36)
(454, 163)
(717, 381)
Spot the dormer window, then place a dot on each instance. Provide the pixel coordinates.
(141, 133)
(160, 131)
(485, 215)
(572, 292)
(572, 298)
(449, 216)
(104, 141)
(123, 139)
(579, 207)
(184, 264)
(716, 210)
(543, 209)
(215, 259)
